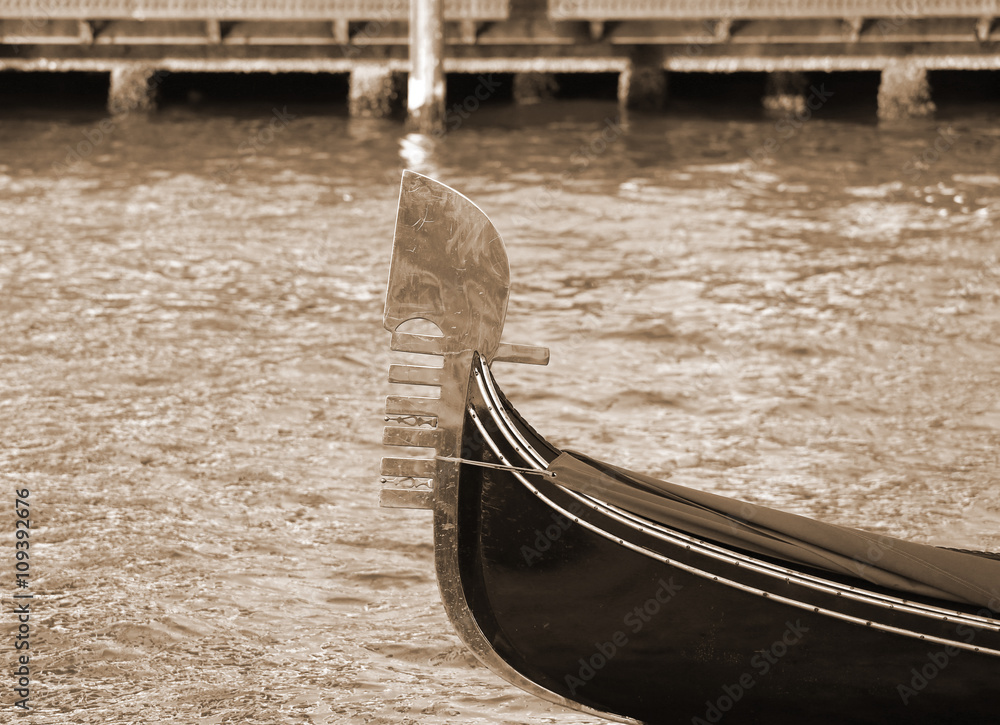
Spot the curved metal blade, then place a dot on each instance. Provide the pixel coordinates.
(449, 266)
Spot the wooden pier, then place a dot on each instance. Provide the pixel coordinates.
(642, 41)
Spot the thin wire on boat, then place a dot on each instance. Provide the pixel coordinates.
(498, 466)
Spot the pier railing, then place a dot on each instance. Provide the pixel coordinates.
(244, 9)
(759, 9)
(772, 22)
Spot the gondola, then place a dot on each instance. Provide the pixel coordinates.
(634, 599)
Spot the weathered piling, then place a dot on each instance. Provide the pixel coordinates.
(374, 91)
(642, 87)
(533, 87)
(132, 89)
(426, 87)
(904, 91)
(785, 93)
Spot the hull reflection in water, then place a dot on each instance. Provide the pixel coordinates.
(636, 599)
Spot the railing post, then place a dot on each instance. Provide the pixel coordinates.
(426, 87)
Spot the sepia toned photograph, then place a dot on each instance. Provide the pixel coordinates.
(500, 362)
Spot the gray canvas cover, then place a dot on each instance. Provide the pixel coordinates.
(901, 565)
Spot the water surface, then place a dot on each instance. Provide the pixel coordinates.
(803, 315)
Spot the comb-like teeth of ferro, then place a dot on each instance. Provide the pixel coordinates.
(417, 418)
(418, 437)
(406, 498)
(409, 467)
(412, 405)
(524, 354)
(414, 375)
(421, 344)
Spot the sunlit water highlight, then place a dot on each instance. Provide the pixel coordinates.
(194, 366)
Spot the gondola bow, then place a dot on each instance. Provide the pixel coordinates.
(635, 599)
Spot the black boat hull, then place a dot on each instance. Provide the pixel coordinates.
(586, 607)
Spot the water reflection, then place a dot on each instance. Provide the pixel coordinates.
(418, 151)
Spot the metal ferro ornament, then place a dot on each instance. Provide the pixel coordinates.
(448, 267)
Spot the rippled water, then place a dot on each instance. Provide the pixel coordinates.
(193, 367)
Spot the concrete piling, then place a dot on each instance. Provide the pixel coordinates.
(904, 91)
(132, 89)
(534, 87)
(374, 91)
(785, 93)
(642, 87)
